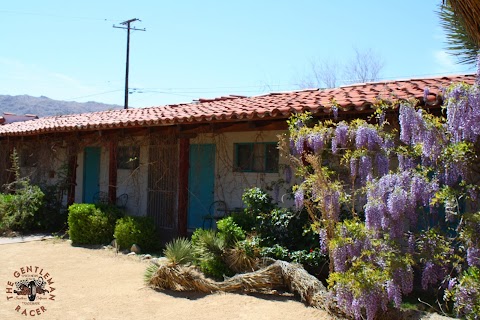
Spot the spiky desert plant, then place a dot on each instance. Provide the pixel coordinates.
(207, 243)
(209, 249)
(179, 251)
(244, 256)
(150, 273)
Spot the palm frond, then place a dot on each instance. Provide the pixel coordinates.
(459, 42)
(468, 13)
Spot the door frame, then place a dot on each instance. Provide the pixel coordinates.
(93, 172)
(211, 185)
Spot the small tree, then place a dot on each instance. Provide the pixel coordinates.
(365, 66)
(17, 209)
(380, 218)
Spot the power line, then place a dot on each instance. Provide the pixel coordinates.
(95, 94)
(57, 16)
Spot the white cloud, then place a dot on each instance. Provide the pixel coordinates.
(445, 62)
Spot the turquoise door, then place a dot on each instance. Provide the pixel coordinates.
(91, 173)
(201, 183)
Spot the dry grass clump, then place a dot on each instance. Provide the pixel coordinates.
(243, 257)
(279, 274)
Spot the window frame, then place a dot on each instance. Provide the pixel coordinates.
(251, 145)
(131, 152)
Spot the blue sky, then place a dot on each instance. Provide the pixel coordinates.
(68, 50)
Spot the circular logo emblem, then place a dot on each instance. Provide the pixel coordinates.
(30, 290)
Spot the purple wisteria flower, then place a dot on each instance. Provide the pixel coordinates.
(299, 199)
(299, 145)
(316, 141)
(431, 274)
(332, 203)
(426, 92)
(382, 163)
(335, 112)
(288, 174)
(451, 284)
(353, 167)
(323, 242)
(473, 257)
(292, 146)
(341, 134)
(463, 112)
(396, 203)
(367, 137)
(374, 213)
(394, 293)
(411, 244)
(365, 169)
(339, 258)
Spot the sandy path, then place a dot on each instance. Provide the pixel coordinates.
(98, 284)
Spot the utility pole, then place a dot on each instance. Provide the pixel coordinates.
(128, 28)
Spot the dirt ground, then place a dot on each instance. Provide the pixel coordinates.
(99, 284)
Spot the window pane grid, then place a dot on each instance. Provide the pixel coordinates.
(256, 157)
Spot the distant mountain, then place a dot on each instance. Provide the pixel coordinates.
(43, 106)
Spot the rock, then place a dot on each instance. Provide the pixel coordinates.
(135, 248)
(131, 254)
(146, 256)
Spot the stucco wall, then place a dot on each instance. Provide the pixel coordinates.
(134, 183)
(229, 185)
(131, 182)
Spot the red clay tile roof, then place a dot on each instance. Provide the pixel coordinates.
(350, 98)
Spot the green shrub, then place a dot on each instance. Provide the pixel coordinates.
(18, 210)
(256, 202)
(112, 212)
(230, 231)
(138, 230)
(209, 249)
(53, 214)
(88, 224)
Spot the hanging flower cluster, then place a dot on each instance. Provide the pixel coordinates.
(394, 183)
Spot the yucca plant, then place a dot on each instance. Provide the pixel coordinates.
(209, 249)
(244, 256)
(207, 243)
(150, 273)
(179, 251)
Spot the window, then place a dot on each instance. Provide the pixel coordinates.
(28, 158)
(256, 157)
(128, 157)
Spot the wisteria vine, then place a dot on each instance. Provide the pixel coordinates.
(385, 199)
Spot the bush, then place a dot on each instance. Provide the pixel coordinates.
(18, 210)
(88, 224)
(256, 202)
(209, 248)
(52, 216)
(136, 230)
(230, 231)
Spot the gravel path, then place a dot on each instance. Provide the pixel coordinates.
(99, 284)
